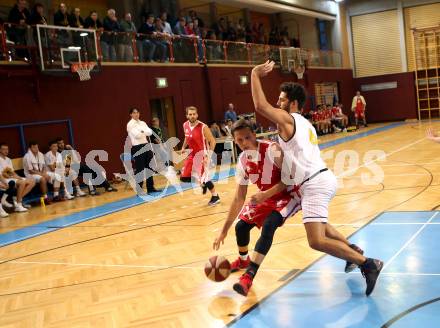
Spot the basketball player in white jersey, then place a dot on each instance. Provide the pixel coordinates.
(315, 182)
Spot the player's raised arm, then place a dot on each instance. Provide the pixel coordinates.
(262, 106)
(234, 210)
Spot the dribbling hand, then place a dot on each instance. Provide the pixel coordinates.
(264, 69)
(219, 240)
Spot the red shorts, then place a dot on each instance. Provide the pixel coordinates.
(193, 168)
(257, 214)
(359, 113)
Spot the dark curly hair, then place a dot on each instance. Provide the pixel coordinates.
(294, 91)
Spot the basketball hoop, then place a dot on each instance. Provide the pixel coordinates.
(299, 70)
(83, 70)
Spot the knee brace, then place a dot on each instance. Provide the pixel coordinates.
(270, 225)
(185, 179)
(209, 185)
(242, 233)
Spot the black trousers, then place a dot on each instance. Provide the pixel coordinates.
(83, 169)
(142, 162)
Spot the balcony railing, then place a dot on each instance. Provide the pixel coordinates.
(17, 41)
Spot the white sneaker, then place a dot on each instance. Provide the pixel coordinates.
(19, 208)
(6, 204)
(26, 206)
(3, 213)
(80, 193)
(68, 196)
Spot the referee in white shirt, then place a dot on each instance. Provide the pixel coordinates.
(138, 131)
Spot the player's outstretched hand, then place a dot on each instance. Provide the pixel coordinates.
(219, 240)
(264, 69)
(258, 198)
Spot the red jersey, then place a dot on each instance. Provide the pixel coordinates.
(194, 137)
(259, 168)
(327, 114)
(315, 117)
(359, 104)
(261, 171)
(335, 111)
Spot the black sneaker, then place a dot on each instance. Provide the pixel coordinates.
(370, 270)
(214, 200)
(204, 188)
(351, 266)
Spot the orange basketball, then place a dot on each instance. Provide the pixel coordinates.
(218, 268)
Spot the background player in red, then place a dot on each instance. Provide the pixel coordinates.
(338, 115)
(358, 106)
(259, 163)
(199, 139)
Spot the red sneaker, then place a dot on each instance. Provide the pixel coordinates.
(240, 264)
(244, 284)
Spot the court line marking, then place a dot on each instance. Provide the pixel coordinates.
(382, 273)
(129, 265)
(351, 171)
(358, 225)
(414, 236)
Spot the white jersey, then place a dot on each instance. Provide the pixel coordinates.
(301, 152)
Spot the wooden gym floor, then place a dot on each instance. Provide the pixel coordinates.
(143, 266)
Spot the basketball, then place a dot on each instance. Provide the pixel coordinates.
(217, 268)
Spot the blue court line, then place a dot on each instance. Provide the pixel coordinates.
(93, 213)
(406, 295)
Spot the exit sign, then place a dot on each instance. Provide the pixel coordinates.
(161, 82)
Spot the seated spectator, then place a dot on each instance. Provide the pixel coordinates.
(228, 128)
(166, 26)
(37, 15)
(35, 168)
(151, 39)
(21, 185)
(109, 38)
(75, 19)
(189, 28)
(180, 29)
(340, 120)
(223, 129)
(158, 139)
(256, 127)
(54, 163)
(93, 22)
(18, 16)
(61, 18)
(334, 123)
(161, 39)
(83, 170)
(230, 113)
(193, 16)
(7, 192)
(215, 129)
(125, 48)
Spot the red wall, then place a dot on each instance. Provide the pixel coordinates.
(99, 108)
(391, 104)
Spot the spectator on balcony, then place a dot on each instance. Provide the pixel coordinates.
(248, 33)
(241, 31)
(149, 39)
(231, 32)
(37, 15)
(83, 170)
(75, 19)
(166, 26)
(193, 16)
(221, 29)
(274, 36)
(93, 22)
(261, 34)
(161, 40)
(125, 47)
(109, 39)
(180, 29)
(189, 28)
(230, 113)
(214, 49)
(255, 32)
(20, 185)
(35, 168)
(18, 16)
(61, 18)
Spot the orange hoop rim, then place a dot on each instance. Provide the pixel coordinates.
(75, 67)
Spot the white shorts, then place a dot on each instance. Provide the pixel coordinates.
(316, 195)
(53, 177)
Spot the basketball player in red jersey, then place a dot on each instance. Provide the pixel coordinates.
(259, 163)
(358, 106)
(201, 142)
(305, 169)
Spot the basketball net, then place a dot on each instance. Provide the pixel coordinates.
(83, 70)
